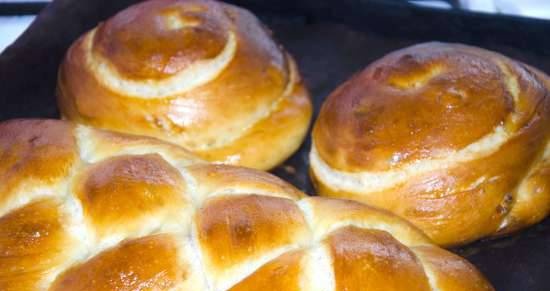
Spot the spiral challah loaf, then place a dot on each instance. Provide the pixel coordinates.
(84, 209)
(453, 138)
(198, 73)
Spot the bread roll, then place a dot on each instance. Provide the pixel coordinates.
(453, 138)
(198, 73)
(84, 209)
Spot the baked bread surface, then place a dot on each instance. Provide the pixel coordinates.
(452, 137)
(198, 73)
(86, 209)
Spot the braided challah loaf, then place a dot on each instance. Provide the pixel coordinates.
(84, 209)
(453, 138)
(198, 73)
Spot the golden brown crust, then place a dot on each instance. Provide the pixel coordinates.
(148, 263)
(433, 131)
(32, 243)
(34, 150)
(355, 250)
(418, 103)
(281, 274)
(533, 190)
(198, 73)
(283, 132)
(121, 192)
(328, 213)
(212, 179)
(147, 41)
(134, 213)
(233, 229)
(450, 272)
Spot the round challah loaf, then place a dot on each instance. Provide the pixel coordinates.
(198, 73)
(85, 209)
(453, 138)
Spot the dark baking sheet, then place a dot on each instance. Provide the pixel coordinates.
(330, 40)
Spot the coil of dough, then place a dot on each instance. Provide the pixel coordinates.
(453, 138)
(198, 73)
(86, 209)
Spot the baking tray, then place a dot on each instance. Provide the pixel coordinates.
(331, 40)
